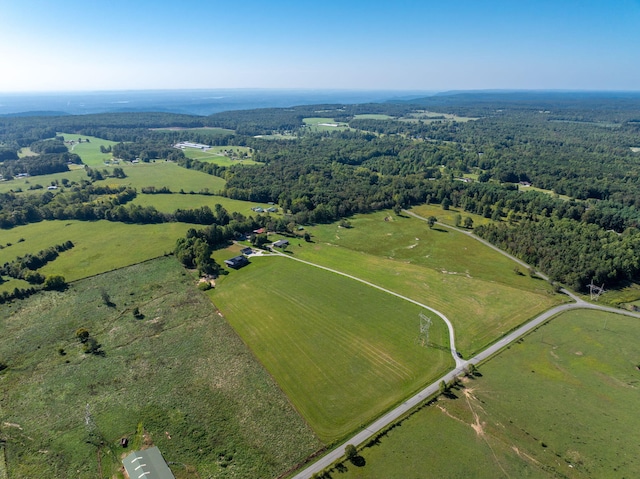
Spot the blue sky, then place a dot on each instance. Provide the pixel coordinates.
(322, 44)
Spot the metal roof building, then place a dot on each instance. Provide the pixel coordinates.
(147, 464)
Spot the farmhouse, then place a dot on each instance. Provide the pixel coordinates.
(147, 464)
(236, 262)
(246, 250)
(281, 244)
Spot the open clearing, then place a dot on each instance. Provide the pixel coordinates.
(474, 286)
(209, 131)
(324, 124)
(561, 403)
(372, 116)
(99, 245)
(89, 152)
(43, 180)
(343, 352)
(172, 202)
(165, 173)
(180, 374)
(222, 155)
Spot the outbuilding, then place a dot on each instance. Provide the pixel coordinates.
(236, 262)
(281, 243)
(147, 464)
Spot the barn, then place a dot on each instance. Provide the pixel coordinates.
(147, 464)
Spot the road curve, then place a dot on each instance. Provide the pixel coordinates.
(452, 340)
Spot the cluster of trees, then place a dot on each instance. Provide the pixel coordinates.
(571, 252)
(44, 164)
(25, 267)
(146, 151)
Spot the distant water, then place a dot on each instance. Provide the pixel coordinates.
(196, 102)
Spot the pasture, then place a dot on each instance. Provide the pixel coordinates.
(170, 203)
(560, 403)
(179, 378)
(372, 116)
(23, 184)
(165, 173)
(342, 351)
(89, 151)
(317, 124)
(100, 246)
(222, 155)
(474, 286)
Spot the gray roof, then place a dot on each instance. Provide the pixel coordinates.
(147, 464)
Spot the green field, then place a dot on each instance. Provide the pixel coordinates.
(170, 203)
(343, 352)
(474, 286)
(165, 173)
(561, 403)
(324, 124)
(179, 378)
(43, 180)
(221, 155)
(89, 152)
(99, 245)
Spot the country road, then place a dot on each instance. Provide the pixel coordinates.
(382, 422)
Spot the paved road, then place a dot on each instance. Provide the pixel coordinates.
(384, 421)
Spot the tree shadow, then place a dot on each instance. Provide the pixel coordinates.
(440, 230)
(358, 461)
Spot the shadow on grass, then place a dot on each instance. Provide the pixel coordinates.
(439, 230)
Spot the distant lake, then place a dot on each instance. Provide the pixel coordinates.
(196, 102)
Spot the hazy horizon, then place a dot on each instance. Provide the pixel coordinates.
(589, 45)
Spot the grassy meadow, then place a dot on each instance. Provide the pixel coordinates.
(474, 286)
(209, 130)
(221, 155)
(343, 352)
(169, 203)
(324, 124)
(100, 246)
(23, 184)
(89, 152)
(179, 378)
(560, 403)
(165, 173)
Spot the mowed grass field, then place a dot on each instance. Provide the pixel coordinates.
(342, 351)
(180, 378)
(474, 286)
(221, 155)
(89, 152)
(100, 246)
(23, 184)
(170, 203)
(561, 403)
(324, 124)
(165, 173)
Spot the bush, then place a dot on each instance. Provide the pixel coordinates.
(204, 286)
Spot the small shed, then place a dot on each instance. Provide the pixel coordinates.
(236, 262)
(147, 464)
(246, 250)
(281, 243)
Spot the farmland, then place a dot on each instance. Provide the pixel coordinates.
(89, 149)
(222, 155)
(560, 403)
(168, 203)
(471, 284)
(179, 378)
(342, 351)
(100, 246)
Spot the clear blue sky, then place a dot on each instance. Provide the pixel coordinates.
(324, 44)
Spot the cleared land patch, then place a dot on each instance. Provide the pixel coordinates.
(342, 351)
(562, 403)
(99, 245)
(180, 374)
(324, 124)
(222, 155)
(165, 173)
(89, 151)
(470, 283)
(25, 183)
(169, 203)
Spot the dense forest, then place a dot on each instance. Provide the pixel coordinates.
(581, 148)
